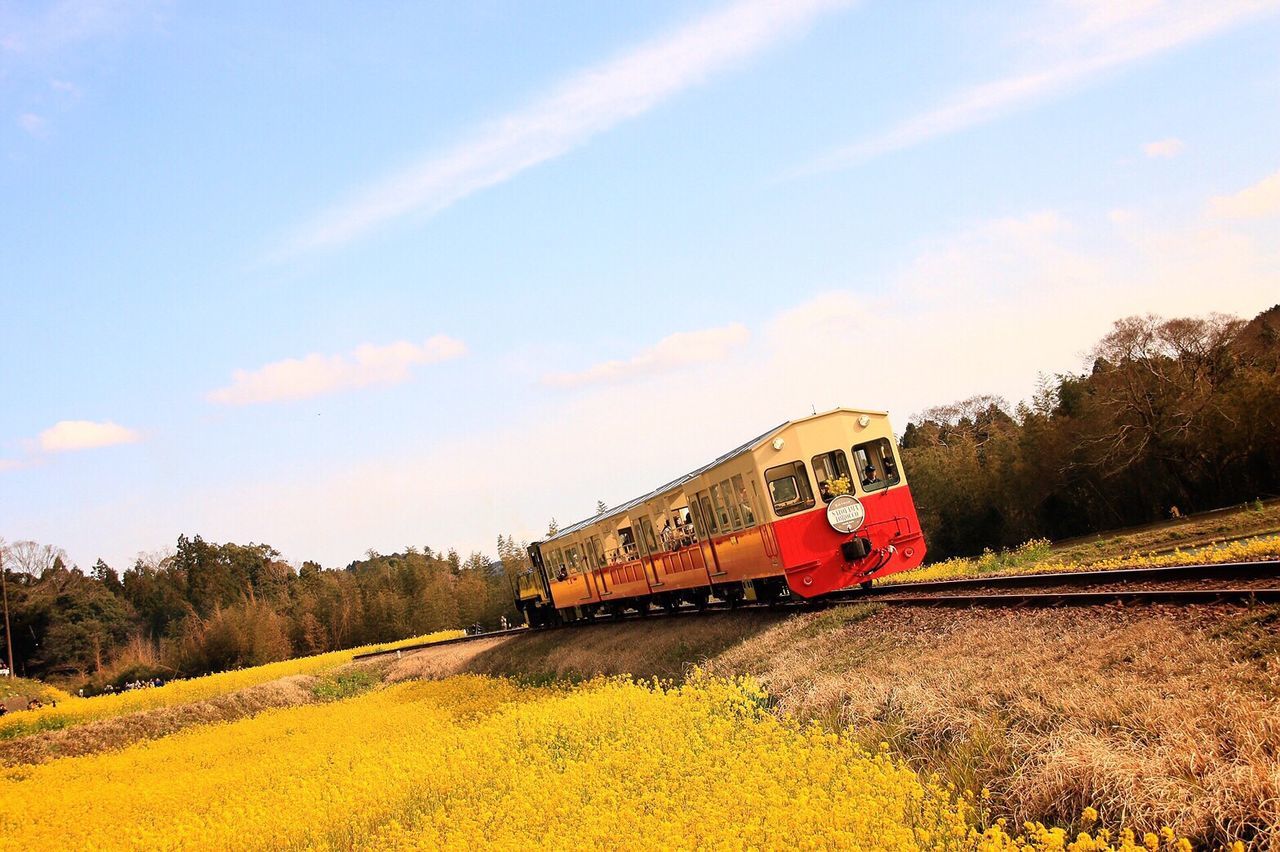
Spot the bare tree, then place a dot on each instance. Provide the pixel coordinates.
(34, 559)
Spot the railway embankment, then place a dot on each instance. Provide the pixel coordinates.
(1155, 715)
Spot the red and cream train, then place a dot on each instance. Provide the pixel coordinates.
(810, 507)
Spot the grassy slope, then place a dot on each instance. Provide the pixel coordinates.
(1156, 716)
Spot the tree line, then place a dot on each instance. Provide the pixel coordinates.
(1173, 413)
(209, 607)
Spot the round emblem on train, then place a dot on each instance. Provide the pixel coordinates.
(846, 513)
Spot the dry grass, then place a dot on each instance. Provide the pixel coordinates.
(660, 647)
(120, 731)
(1155, 717)
(1252, 519)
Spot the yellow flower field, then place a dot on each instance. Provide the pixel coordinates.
(73, 710)
(1248, 550)
(473, 762)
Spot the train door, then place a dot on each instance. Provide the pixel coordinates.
(706, 514)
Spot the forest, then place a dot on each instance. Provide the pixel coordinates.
(1173, 416)
(209, 607)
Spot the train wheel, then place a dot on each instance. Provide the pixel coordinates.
(642, 609)
(671, 603)
(700, 600)
(865, 585)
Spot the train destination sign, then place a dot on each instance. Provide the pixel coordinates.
(846, 513)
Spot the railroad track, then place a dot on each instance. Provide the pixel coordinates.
(1138, 586)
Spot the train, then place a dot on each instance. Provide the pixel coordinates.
(809, 508)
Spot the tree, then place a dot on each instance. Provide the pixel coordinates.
(107, 576)
(552, 528)
(601, 507)
(33, 558)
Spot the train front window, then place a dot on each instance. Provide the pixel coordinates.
(832, 472)
(789, 488)
(877, 468)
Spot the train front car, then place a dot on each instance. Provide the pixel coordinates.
(842, 510)
(810, 507)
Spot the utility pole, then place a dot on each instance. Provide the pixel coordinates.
(4, 592)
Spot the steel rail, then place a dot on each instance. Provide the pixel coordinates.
(1116, 596)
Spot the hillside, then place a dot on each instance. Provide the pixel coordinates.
(1155, 716)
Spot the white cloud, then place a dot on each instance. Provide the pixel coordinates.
(316, 374)
(40, 29)
(1165, 148)
(65, 87)
(683, 349)
(588, 103)
(84, 435)
(1260, 201)
(1099, 39)
(32, 124)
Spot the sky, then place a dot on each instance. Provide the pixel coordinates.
(339, 277)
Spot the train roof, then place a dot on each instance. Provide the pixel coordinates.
(757, 441)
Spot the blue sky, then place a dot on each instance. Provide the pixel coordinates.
(338, 277)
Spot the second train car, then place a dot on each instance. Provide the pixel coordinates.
(812, 506)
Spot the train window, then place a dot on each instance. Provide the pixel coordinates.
(789, 488)
(745, 504)
(596, 553)
(687, 528)
(708, 517)
(646, 532)
(735, 511)
(722, 514)
(695, 518)
(832, 472)
(628, 541)
(555, 562)
(876, 466)
(573, 559)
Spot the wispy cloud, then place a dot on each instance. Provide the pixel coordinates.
(1164, 149)
(1105, 37)
(68, 435)
(68, 23)
(316, 374)
(683, 349)
(33, 124)
(1260, 201)
(588, 103)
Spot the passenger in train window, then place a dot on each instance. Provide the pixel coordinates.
(869, 476)
(668, 535)
(562, 574)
